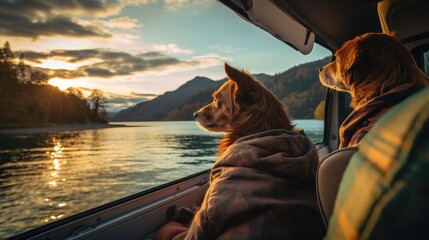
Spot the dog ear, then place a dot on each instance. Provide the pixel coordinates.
(243, 80)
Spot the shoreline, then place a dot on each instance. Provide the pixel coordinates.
(59, 128)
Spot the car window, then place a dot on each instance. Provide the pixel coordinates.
(421, 55)
(97, 99)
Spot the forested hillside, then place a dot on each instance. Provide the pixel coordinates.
(27, 100)
(298, 88)
(176, 103)
(185, 111)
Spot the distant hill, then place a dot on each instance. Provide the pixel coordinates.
(160, 107)
(298, 88)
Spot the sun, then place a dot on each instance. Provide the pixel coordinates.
(62, 84)
(56, 64)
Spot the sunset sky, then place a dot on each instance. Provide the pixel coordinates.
(137, 49)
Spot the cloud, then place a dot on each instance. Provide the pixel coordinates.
(224, 49)
(117, 102)
(171, 49)
(214, 56)
(174, 5)
(123, 23)
(108, 63)
(73, 18)
(36, 18)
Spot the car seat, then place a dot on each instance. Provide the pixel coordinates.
(329, 173)
(384, 192)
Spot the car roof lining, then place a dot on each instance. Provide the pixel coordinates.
(317, 16)
(334, 21)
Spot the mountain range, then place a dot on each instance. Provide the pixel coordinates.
(298, 88)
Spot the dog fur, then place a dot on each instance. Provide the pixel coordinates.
(370, 65)
(261, 185)
(242, 106)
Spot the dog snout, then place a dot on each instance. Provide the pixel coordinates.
(195, 115)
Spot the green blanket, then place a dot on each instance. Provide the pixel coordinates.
(384, 193)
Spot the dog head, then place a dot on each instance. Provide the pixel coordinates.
(242, 106)
(217, 115)
(370, 65)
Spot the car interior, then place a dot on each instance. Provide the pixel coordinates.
(300, 24)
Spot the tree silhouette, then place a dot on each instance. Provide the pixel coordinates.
(75, 92)
(8, 76)
(37, 77)
(20, 71)
(27, 100)
(98, 103)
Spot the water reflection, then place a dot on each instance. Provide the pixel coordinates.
(45, 177)
(55, 179)
(196, 149)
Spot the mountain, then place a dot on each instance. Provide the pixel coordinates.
(160, 107)
(298, 88)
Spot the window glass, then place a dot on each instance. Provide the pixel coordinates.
(421, 56)
(426, 62)
(143, 67)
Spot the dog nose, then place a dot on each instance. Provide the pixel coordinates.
(195, 115)
(320, 69)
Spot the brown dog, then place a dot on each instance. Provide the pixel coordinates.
(242, 106)
(378, 72)
(262, 185)
(370, 65)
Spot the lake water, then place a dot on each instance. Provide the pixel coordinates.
(49, 176)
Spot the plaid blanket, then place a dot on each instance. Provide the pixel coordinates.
(384, 193)
(262, 187)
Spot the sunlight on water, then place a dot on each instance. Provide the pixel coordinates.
(46, 177)
(54, 179)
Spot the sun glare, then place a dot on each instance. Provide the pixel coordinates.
(63, 84)
(56, 64)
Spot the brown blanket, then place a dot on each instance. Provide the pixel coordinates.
(366, 114)
(262, 187)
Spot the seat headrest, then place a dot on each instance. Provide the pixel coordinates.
(328, 178)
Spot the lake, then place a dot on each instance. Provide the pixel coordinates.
(49, 176)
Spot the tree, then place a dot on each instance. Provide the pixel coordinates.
(8, 75)
(7, 54)
(319, 113)
(21, 71)
(38, 77)
(98, 103)
(12, 73)
(26, 98)
(74, 92)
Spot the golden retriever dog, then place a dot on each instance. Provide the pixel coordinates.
(242, 106)
(262, 185)
(378, 71)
